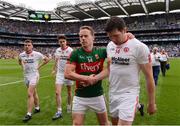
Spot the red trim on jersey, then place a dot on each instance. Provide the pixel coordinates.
(126, 40)
(119, 46)
(64, 48)
(29, 52)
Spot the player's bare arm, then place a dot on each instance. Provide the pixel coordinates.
(147, 70)
(21, 63)
(54, 71)
(102, 75)
(70, 73)
(130, 35)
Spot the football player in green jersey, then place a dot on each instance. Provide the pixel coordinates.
(84, 63)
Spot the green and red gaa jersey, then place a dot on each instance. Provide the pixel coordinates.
(88, 63)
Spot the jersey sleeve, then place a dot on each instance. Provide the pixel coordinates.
(109, 49)
(20, 56)
(40, 56)
(104, 53)
(143, 54)
(71, 49)
(56, 54)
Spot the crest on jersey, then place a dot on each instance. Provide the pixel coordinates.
(126, 49)
(90, 59)
(96, 56)
(117, 50)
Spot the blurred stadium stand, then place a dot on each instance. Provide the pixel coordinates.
(153, 29)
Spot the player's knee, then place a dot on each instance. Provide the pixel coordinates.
(105, 124)
(69, 93)
(57, 93)
(30, 94)
(77, 123)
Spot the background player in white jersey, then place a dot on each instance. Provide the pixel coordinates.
(29, 60)
(164, 60)
(61, 56)
(155, 56)
(126, 59)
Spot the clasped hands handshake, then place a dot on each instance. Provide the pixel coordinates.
(89, 80)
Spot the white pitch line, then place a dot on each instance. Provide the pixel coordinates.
(10, 83)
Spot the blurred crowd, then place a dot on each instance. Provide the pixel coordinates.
(163, 21)
(172, 49)
(12, 52)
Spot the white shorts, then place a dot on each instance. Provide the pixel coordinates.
(31, 79)
(123, 106)
(61, 80)
(81, 104)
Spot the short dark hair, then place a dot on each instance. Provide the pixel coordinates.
(62, 37)
(115, 23)
(88, 28)
(28, 41)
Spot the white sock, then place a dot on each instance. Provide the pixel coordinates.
(29, 113)
(69, 107)
(59, 110)
(139, 105)
(37, 108)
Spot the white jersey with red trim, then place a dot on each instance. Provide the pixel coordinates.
(31, 61)
(62, 56)
(155, 59)
(164, 57)
(124, 66)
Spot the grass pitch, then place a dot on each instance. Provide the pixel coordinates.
(13, 98)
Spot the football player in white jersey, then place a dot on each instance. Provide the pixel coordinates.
(155, 56)
(29, 60)
(61, 56)
(126, 59)
(164, 60)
